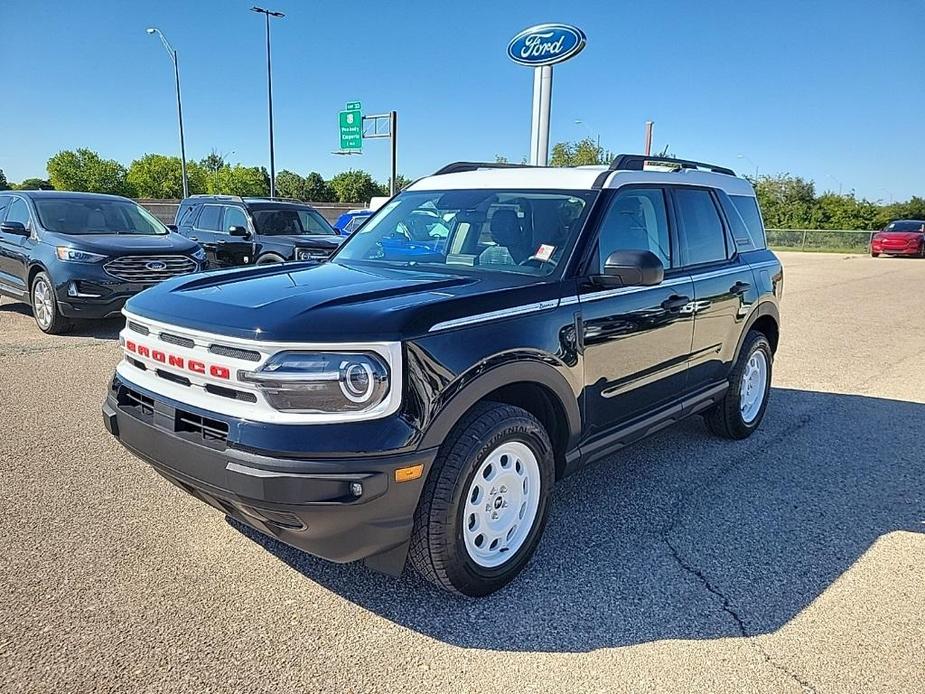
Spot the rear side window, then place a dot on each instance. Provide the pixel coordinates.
(747, 208)
(4, 203)
(701, 234)
(636, 221)
(210, 218)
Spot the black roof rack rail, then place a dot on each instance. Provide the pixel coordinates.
(635, 162)
(461, 166)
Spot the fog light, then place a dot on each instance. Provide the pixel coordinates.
(74, 289)
(356, 489)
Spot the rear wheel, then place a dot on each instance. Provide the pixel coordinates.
(45, 306)
(743, 406)
(874, 255)
(484, 506)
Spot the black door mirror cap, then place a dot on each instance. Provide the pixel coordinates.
(238, 231)
(172, 227)
(17, 228)
(632, 269)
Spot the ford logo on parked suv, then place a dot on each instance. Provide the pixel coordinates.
(156, 265)
(546, 44)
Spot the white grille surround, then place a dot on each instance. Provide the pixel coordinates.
(196, 395)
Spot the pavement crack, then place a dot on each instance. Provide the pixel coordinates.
(726, 605)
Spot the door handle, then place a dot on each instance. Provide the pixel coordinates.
(193, 238)
(675, 302)
(739, 288)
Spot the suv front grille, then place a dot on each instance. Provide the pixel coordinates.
(149, 268)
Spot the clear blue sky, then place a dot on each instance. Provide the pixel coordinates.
(833, 91)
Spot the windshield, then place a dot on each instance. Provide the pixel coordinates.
(527, 232)
(96, 216)
(287, 221)
(905, 226)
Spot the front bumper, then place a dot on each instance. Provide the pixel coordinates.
(305, 503)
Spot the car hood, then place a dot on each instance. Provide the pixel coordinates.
(125, 244)
(330, 302)
(312, 240)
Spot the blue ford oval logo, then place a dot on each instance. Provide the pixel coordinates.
(156, 265)
(546, 44)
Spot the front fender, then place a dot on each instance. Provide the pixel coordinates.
(503, 370)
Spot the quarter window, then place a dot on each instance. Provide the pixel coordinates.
(748, 209)
(210, 219)
(702, 237)
(636, 221)
(18, 212)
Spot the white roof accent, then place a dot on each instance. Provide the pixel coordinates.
(513, 178)
(577, 178)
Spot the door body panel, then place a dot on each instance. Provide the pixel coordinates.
(635, 351)
(723, 298)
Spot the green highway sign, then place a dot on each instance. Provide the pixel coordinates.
(354, 106)
(351, 129)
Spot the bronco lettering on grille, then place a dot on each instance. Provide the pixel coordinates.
(196, 367)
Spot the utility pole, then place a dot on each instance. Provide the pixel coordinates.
(648, 144)
(267, 14)
(151, 31)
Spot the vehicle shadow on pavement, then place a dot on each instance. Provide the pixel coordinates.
(107, 329)
(683, 536)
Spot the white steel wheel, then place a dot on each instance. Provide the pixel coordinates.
(754, 386)
(42, 305)
(501, 504)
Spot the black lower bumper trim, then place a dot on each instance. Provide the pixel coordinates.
(311, 505)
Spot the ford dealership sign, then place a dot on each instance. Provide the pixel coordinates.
(546, 44)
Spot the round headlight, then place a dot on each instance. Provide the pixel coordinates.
(357, 381)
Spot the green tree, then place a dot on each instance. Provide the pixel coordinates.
(212, 162)
(4, 185)
(35, 184)
(787, 202)
(403, 182)
(84, 170)
(355, 186)
(238, 180)
(500, 159)
(316, 189)
(290, 185)
(585, 152)
(160, 176)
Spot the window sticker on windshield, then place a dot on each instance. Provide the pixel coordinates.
(544, 252)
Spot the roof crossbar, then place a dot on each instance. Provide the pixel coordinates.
(636, 162)
(461, 166)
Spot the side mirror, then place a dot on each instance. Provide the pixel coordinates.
(172, 227)
(17, 228)
(238, 231)
(632, 269)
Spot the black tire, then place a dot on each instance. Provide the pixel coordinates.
(270, 259)
(47, 316)
(438, 550)
(725, 418)
(874, 255)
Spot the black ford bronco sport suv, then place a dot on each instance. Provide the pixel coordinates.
(418, 395)
(255, 231)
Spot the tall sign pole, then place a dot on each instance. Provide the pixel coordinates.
(268, 14)
(541, 47)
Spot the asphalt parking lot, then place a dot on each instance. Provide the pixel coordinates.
(793, 561)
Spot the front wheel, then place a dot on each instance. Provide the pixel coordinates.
(484, 506)
(742, 408)
(45, 306)
(874, 255)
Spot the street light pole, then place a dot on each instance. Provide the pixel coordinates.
(176, 72)
(742, 156)
(267, 14)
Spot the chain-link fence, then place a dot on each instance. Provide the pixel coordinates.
(831, 240)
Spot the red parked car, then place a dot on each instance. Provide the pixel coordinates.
(902, 237)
